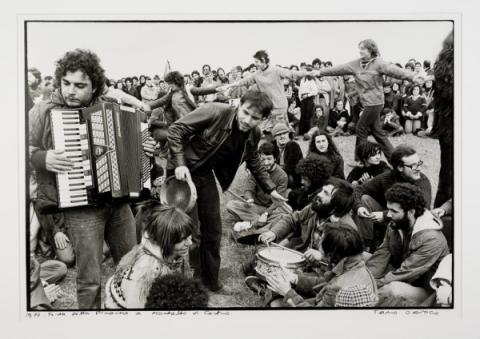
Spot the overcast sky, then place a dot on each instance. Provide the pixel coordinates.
(127, 49)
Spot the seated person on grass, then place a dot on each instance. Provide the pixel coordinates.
(319, 122)
(370, 204)
(287, 153)
(339, 120)
(413, 111)
(412, 249)
(391, 122)
(258, 201)
(342, 247)
(322, 146)
(370, 156)
(163, 250)
(333, 203)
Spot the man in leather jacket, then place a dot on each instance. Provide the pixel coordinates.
(215, 139)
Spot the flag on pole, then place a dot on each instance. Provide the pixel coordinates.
(168, 68)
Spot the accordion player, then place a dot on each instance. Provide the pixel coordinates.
(105, 144)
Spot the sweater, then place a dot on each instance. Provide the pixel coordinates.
(350, 271)
(260, 197)
(269, 81)
(377, 187)
(415, 105)
(373, 170)
(369, 79)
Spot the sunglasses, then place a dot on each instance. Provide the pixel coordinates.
(414, 166)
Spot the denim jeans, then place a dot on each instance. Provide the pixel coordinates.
(369, 123)
(205, 250)
(366, 226)
(240, 211)
(87, 227)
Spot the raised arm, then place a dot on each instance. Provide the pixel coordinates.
(394, 71)
(248, 81)
(162, 101)
(344, 69)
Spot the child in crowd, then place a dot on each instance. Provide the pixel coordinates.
(294, 114)
(391, 122)
(339, 120)
(319, 122)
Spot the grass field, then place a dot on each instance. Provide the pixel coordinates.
(235, 293)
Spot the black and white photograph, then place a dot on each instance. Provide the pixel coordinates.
(262, 174)
(240, 170)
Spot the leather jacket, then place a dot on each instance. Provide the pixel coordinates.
(194, 138)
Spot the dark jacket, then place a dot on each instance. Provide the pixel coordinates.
(373, 170)
(194, 138)
(392, 101)
(291, 156)
(377, 187)
(301, 224)
(412, 258)
(350, 271)
(335, 115)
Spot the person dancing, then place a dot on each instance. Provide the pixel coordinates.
(368, 72)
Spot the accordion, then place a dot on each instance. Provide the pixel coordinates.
(105, 144)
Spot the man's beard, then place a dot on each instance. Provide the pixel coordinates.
(403, 224)
(323, 211)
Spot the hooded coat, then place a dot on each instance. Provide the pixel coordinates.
(411, 257)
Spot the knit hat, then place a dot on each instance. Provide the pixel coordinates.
(356, 296)
(280, 128)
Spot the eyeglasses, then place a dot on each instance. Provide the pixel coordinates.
(415, 166)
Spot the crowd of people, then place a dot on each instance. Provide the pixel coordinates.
(371, 237)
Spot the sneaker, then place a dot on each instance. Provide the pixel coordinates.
(248, 268)
(242, 226)
(256, 284)
(423, 134)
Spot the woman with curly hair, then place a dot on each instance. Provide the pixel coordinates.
(163, 249)
(369, 72)
(321, 147)
(413, 111)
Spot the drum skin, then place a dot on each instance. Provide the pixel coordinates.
(269, 260)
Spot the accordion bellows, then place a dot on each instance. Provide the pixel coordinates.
(105, 144)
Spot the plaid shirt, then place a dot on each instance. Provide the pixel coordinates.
(356, 296)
